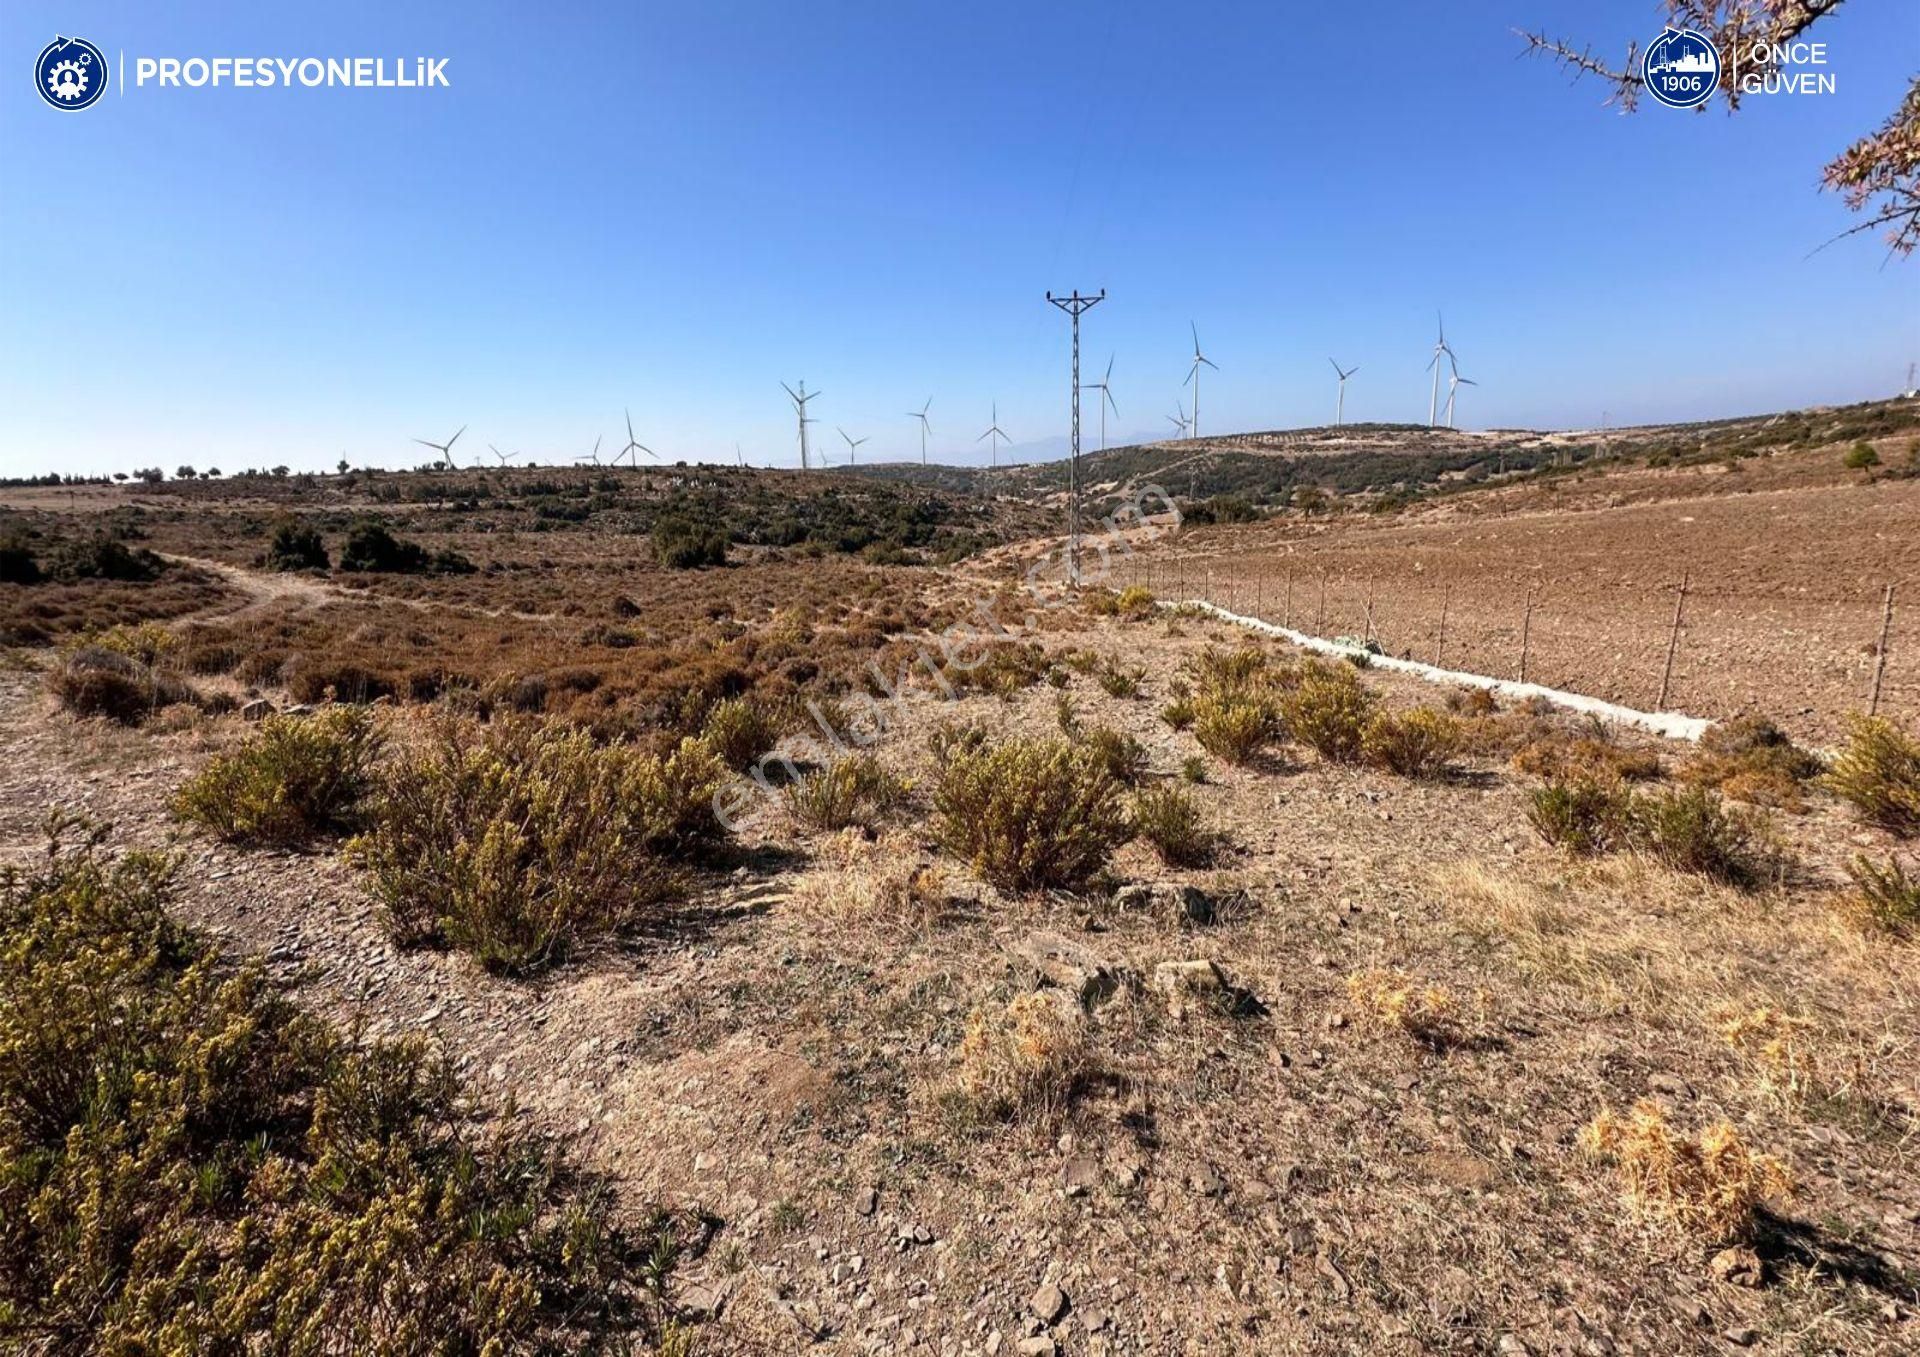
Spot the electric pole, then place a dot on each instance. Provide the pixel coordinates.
(1073, 306)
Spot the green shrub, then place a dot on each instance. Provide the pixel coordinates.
(296, 546)
(1178, 713)
(1135, 601)
(294, 778)
(18, 564)
(1235, 728)
(104, 557)
(1329, 710)
(1581, 815)
(682, 544)
(1419, 743)
(1121, 754)
(191, 1164)
(1693, 830)
(1193, 769)
(1120, 681)
(371, 546)
(1884, 899)
(91, 681)
(522, 842)
(852, 790)
(1002, 670)
(1878, 773)
(740, 730)
(1169, 819)
(1861, 456)
(1031, 814)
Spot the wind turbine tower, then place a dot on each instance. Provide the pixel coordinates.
(444, 449)
(1340, 402)
(1439, 348)
(800, 399)
(1193, 375)
(1104, 387)
(996, 433)
(1454, 382)
(925, 427)
(633, 445)
(852, 443)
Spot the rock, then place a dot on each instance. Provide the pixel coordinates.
(1670, 1085)
(1739, 1266)
(1080, 1175)
(1048, 1304)
(257, 710)
(1742, 1338)
(1040, 1345)
(1206, 1180)
(1170, 900)
(1188, 984)
(1073, 966)
(1512, 1345)
(867, 1202)
(702, 1300)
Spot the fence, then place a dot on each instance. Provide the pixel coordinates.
(1694, 642)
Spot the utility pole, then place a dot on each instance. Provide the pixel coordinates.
(1073, 306)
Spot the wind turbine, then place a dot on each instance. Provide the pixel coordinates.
(1340, 404)
(594, 456)
(444, 449)
(504, 457)
(925, 427)
(1193, 375)
(633, 445)
(1433, 363)
(1106, 400)
(852, 443)
(1454, 383)
(1180, 420)
(800, 399)
(996, 433)
(738, 455)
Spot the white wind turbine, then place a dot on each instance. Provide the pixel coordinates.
(1179, 419)
(1340, 402)
(504, 457)
(800, 399)
(1433, 364)
(852, 442)
(444, 449)
(996, 433)
(1454, 383)
(633, 445)
(594, 456)
(1106, 399)
(1193, 375)
(925, 427)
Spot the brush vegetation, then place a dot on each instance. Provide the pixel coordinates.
(1031, 814)
(293, 779)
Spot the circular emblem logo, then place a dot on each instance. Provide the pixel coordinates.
(1681, 68)
(70, 73)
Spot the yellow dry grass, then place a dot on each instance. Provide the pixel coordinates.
(1708, 1185)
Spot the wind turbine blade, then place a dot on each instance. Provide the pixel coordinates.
(1109, 376)
(425, 444)
(789, 390)
(1210, 363)
(1468, 381)
(1350, 372)
(629, 415)
(1110, 405)
(1336, 368)
(455, 438)
(1190, 371)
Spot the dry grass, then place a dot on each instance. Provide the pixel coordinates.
(1392, 1001)
(1709, 1185)
(1026, 1058)
(876, 885)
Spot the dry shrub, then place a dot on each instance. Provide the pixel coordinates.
(89, 681)
(1169, 819)
(1122, 681)
(1135, 601)
(878, 883)
(1235, 728)
(1709, 1186)
(1026, 1058)
(1329, 711)
(1178, 713)
(191, 1164)
(1878, 773)
(1472, 702)
(321, 678)
(1392, 1001)
(294, 777)
(521, 842)
(1692, 830)
(1002, 670)
(1560, 755)
(740, 730)
(1031, 814)
(1419, 743)
(852, 790)
(1883, 899)
(1751, 759)
(1778, 1045)
(1123, 756)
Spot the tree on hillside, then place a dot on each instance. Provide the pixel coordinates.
(1879, 173)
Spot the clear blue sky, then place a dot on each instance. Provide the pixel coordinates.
(675, 207)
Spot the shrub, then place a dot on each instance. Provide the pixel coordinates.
(1329, 711)
(1883, 899)
(1135, 601)
(1121, 754)
(1861, 456)
(1178, 713)
(740, 730)
(1002, 670)
(1388, 999)
(1878, 773)
(296, 546)
(1169, 819)
(320, 678)
(522, 842)
(294, 778)
(105, 558)
(1693, 830)
(1709, 1186)
(1419, 743)
(1193, 769)
(1581, 815)
(1595, 756)
(1031, 814)
(682, 544)
(372, 547)
(1751, 759)
(189, 1163)
(1119, 681)
(90, 681)
(1025, 1058)
(1235, 729)
(18, 565)
(853, 790)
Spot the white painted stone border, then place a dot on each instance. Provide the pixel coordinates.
(1672, 725)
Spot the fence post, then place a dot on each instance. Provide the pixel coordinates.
(1440, 649)
(1259, 591)
(1526, 634)
(1287, 617)
(1880, 653)
(1367, 635)
(1673, 642)
(1320, 614)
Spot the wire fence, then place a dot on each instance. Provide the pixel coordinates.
(1693, 642)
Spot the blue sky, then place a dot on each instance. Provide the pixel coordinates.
(677, 207)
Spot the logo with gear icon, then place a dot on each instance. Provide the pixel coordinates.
(71, 73)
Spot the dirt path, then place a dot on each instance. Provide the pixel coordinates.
(265, 589)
